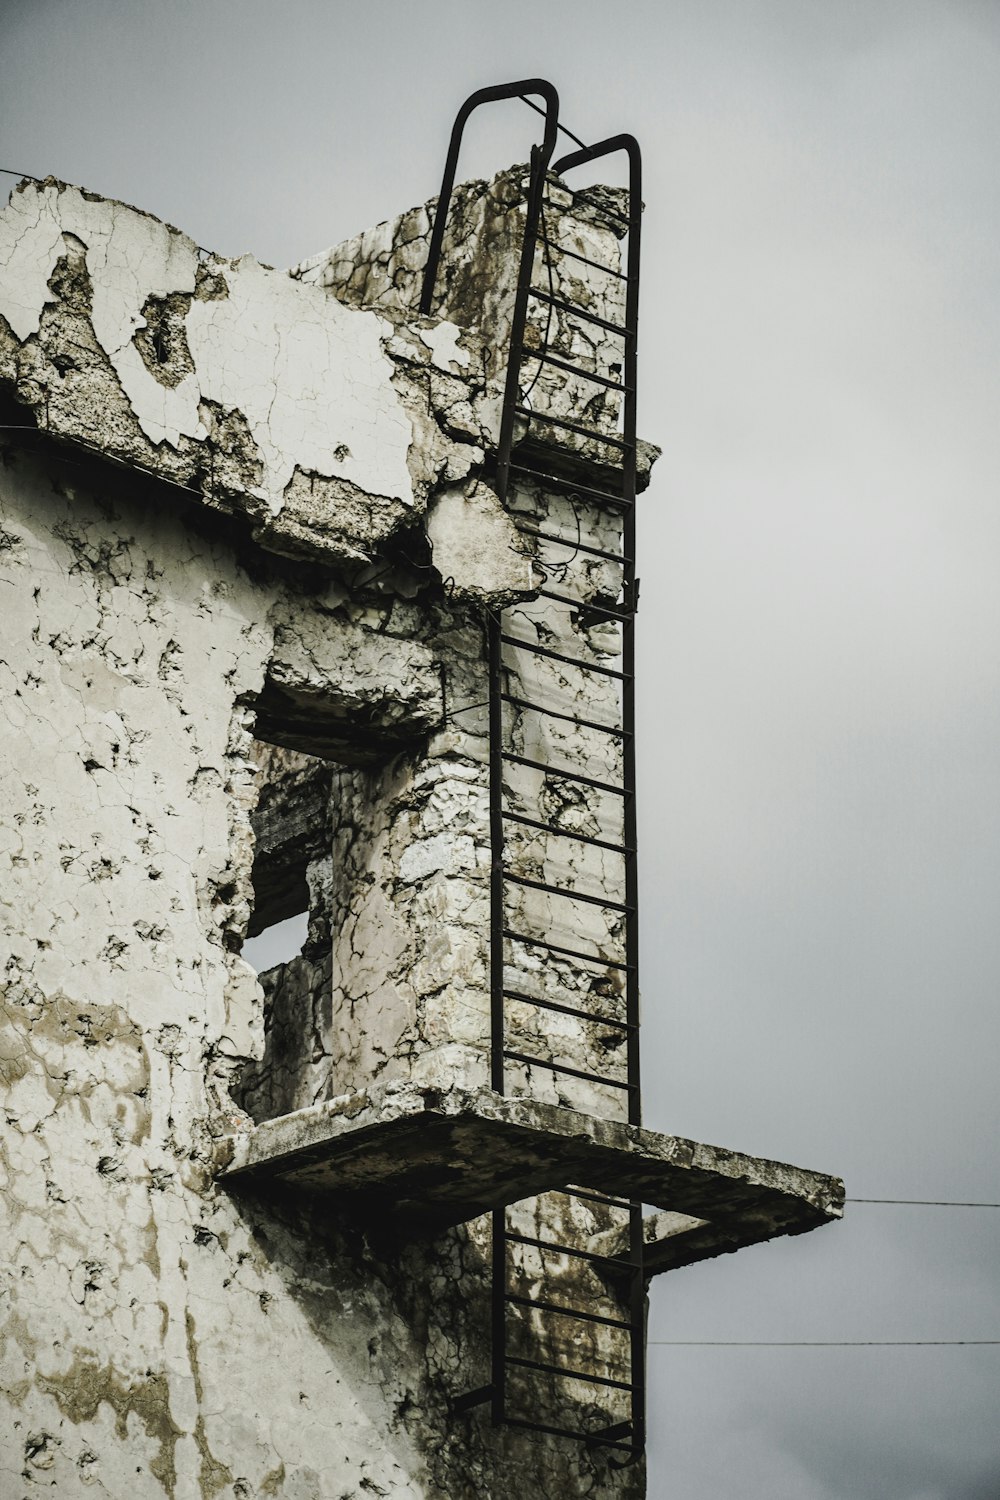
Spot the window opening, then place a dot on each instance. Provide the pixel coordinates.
(288, 933)
(277, 944)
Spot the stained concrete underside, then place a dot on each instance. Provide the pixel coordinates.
(426, 1158)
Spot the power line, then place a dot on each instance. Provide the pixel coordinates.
(818, 1343)
(847, 1343)
(539, 111)
(925, 1202)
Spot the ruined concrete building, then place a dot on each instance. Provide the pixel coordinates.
(317, 595)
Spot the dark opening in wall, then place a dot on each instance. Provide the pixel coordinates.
(279, 943)
(289, 824)
(288, 935)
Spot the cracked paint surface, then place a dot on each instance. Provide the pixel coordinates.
(382, 269)
(303, 370)
(246, 554)
(136, 1294)
(328, 427)
(147, 1312)
(165, 1336)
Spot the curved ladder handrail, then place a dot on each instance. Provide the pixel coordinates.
(539, 86)
(607, 147)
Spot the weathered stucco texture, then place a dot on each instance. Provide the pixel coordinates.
(245, 550)
(248, 550)
(327, 427)
(161, 1335)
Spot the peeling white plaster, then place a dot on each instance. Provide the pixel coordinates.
(442, 340)
(309, 375)
(475, 545)
(444, 852)
(171, 1338)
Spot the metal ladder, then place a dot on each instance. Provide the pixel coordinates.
(541, 1312)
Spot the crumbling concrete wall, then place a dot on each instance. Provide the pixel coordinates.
(382, 270)
(242, 508)
(415, 853)
(328, 428)
(163, 1337)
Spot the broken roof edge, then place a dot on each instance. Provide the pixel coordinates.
(446, 1155)
(382, 269)
(328, 430)
(600, 204)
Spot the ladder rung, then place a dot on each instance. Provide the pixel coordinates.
(572, 544)
(566, 833)
(590, 1439)
(610, 215)
(595, 609)
(581, 312)
(470, 1399)
(554, 713)
(609, 1434)
(564, 364)
(566, 1312)
(587, 432)
(540, 1062)
(540, 765)
(569, 1010)
(560, 890)
(572, 661)
(588, 1255)
(574, 489)
(575, 255)
(590, 958)
(567, 1372)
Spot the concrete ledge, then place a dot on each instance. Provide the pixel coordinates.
(442, 1156)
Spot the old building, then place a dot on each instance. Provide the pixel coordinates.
(318, 593)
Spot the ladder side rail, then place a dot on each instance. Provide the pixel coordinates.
(539, 164)
(607, 147)
(637, 1318)
(637, 1287)
(512, 386)
(498, 1312)
(497, 915)
(496, 1392)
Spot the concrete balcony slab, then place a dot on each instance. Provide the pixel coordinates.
(433, 1157)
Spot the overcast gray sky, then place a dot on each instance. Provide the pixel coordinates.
(820, 560)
